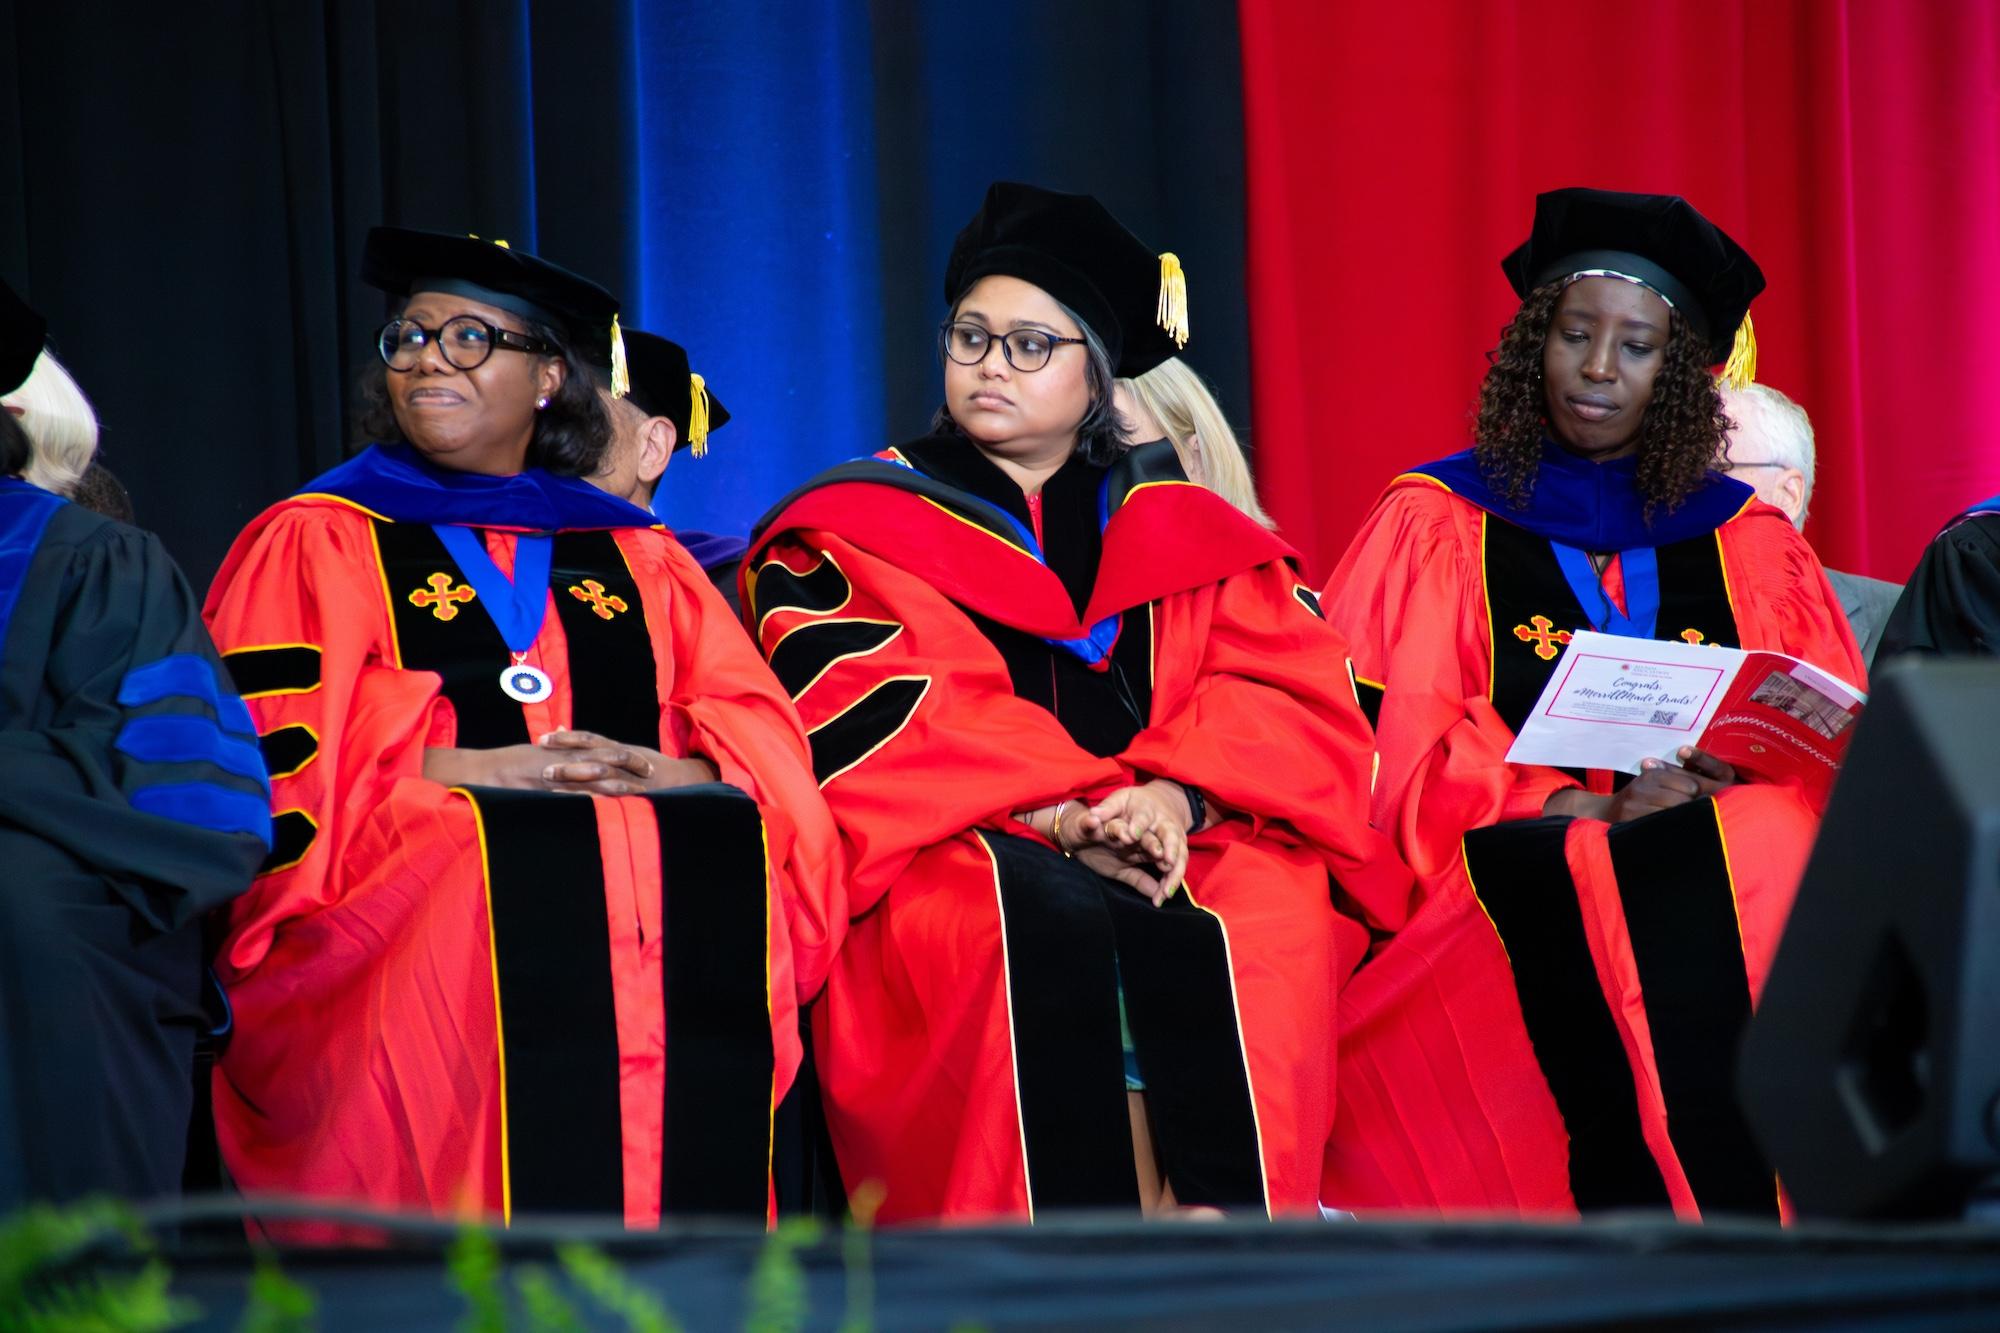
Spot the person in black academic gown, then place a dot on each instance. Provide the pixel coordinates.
(1951, 604)
(668, 409)
(133, 799)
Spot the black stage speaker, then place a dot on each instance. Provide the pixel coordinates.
(1871, 1072)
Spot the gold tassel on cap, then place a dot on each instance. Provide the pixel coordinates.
(1741, 367)
(698, 415)
(621, 378)
(1173, 313)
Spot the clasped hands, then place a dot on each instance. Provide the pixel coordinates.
(1136, 835)
(582, 762)
(1659, 786)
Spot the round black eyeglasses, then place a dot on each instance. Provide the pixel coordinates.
(465, 341)
(1025, 349)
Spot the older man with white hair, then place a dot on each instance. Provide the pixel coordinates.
(1771, 449)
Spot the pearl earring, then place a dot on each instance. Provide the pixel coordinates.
(541, 403)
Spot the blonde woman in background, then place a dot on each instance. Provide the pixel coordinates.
(59, 423)
(1171, 402)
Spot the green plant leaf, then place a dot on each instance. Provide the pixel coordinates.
(857, 1257)
(277, 1304)
(474, 1264)
(605, 1283)
(43, 1236)
(542, 1299)
(779, 1296)
(142, 1302)
(39, 1242)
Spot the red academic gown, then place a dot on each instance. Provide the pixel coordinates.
(474, 1002)
(1555, 1027)
(968, 1043)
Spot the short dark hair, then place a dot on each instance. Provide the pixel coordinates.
(101, 492)
(13, 446)
(1100, 436)
(572, 434)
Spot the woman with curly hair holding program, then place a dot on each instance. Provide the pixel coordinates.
(1554, 1028)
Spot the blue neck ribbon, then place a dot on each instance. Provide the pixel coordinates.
(515, 606)
(1641, 567)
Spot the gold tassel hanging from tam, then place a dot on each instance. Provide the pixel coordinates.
(621, 377)
(1741, 367)
(698, 415)
(1173, 312)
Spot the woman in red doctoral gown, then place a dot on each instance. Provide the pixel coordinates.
(1066, 708)
(552, 876)
(1555, 1027)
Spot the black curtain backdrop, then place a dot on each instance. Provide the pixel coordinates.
(184, 190)
(1138, 102)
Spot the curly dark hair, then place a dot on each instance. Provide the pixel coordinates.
(1100, 436)
(572, 434)
(1679, 436)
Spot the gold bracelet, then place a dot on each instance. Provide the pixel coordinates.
(1055, 828)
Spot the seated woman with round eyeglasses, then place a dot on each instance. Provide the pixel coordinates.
(1068, 711)
(551, 873)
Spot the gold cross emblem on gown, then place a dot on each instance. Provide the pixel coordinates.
(1545, 636)
(602, 604)
(441, 597)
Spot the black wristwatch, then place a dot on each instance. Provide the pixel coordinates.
(1197, 808)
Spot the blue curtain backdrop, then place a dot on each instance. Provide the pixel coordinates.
(774, 183)
(757, 248)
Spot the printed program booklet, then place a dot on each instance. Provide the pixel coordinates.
(1612, 702)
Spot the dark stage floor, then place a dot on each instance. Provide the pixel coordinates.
(1087, 1273)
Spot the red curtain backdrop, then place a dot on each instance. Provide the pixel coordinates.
(1853, 146)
